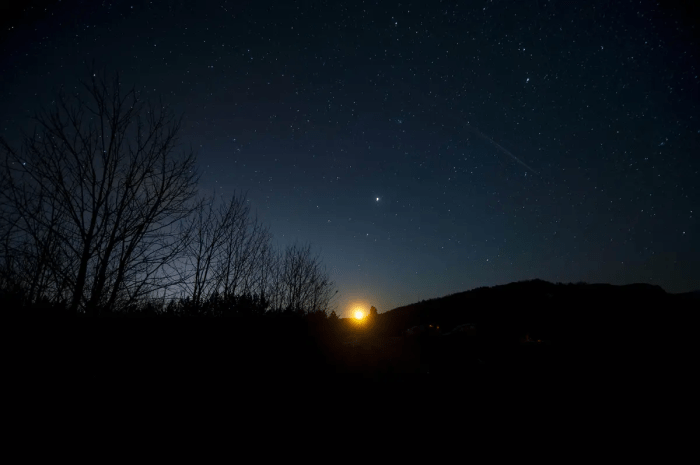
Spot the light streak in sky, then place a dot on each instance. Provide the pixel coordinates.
(446, 112)
(499, 146)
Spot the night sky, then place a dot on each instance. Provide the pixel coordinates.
(422, 148)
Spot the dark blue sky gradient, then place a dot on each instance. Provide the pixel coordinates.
(318, 108)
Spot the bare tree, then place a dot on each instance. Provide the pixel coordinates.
(32, 262)
(201, 250)
(304, 283)
(95, 197)
(245, 245)
(226, 253)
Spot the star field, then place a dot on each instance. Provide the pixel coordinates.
(423, 148)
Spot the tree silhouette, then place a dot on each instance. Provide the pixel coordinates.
(92, 200)
(226, 251)
(99, 216)
(303, 285)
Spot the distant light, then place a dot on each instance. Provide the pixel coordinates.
(377, 199)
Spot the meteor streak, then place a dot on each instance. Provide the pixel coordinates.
(499, 146)
(431, 103)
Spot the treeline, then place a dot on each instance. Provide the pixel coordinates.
(100, 216)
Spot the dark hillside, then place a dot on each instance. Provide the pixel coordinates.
(522, 329)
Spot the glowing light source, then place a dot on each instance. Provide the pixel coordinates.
(359, 315)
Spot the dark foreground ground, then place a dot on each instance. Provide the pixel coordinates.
(201, 361)
(143, 355)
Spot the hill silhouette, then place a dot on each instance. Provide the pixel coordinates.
(582, 326)
(539, 307)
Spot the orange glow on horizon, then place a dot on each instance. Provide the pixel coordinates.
(357, 310)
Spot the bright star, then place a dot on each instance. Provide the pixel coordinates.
(377, 199)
